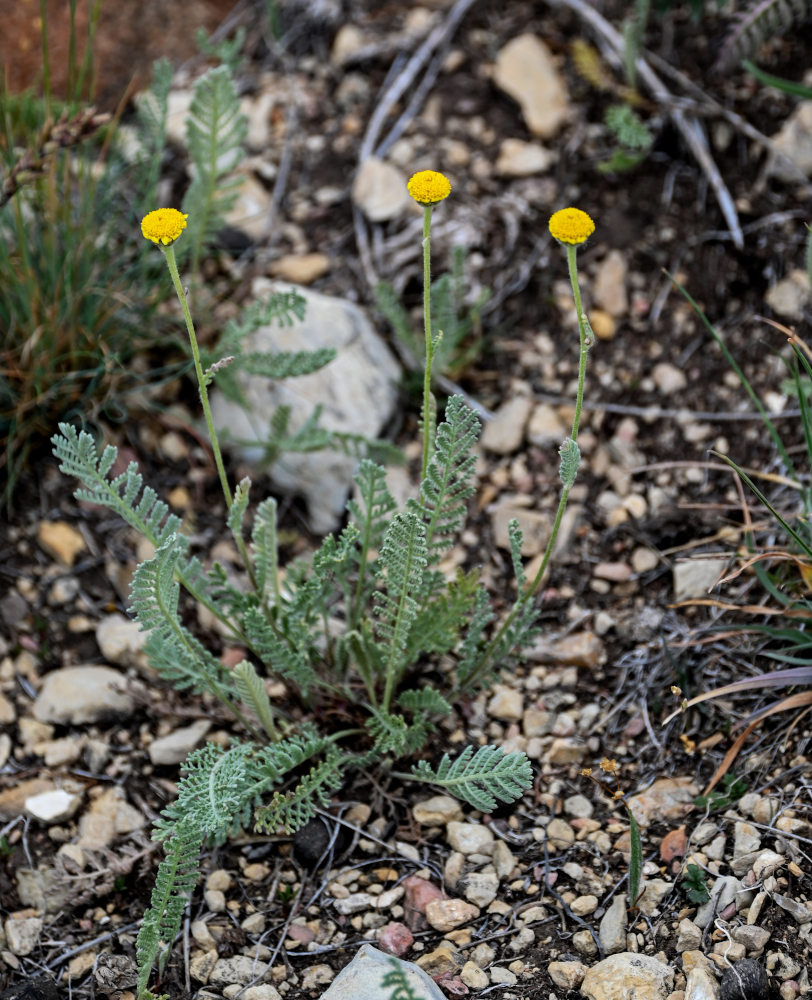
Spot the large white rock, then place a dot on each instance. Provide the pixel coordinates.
(363, 977)
(356, 391)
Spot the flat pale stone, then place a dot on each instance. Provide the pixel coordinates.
(176, 746)
(505, 432)
(447, 914)
(22, 934)
(697, 576)
(667, 800)
(567, 975)
(522, 159)
(612, 930)
(61, 541)
(362, 977)
(470, 838)
(656, 890)
(121, 641)
(535, 525)
(628, 976)
(301, 269)
(379, 190)
(437, 811)
(609, 289)
(525, 70)
(75, 695)
(479, 888)
(53, 807)
(506, 703)
(701, 985)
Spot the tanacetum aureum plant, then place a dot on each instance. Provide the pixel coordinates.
(355, 627)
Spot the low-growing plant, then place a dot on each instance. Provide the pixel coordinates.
(694, 885)
(634, 140)
(356, 626)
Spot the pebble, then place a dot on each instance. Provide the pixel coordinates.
(300, 269)
(609, 289)
(506, 703)
(701, 985)
(8, 713)
(61, 541)
(668, 378)
(437, 811)
(689, 936)
(176, 746)
(628, 975)
(579, 806)
(474, 977)
(379, 190)
(395, 939)
(753, 938)
(560, 834)
(612, 929)
(697, 576)
(503, 976)
(121, 641)
(109, 816)
(317, 975)
(443, 959)
(644, 559)
(565, 751)
(603, 326)
(768, 863)
(22, 934)
(795, 909)
(201, 964)
(505, 432)
(656, 890)
(470, 838)
(522, 159)
(545, 427)
(446, 914)
(724, 891)
(579, 649)
(240, 969)
(535, 525)
(503, 859)
(479, 888)
(76, 695)
(667, 800)
(567, 975)
(582, 906)
(794, 141)
(526, 71)
(264, 991)
(746, 839)
(12, 800)
(789, 296)
(55, 806)
(537, 722)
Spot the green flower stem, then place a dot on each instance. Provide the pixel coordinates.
(429, 344)
(585, 342)
(585, 334)
(172, 264)
(169, 253)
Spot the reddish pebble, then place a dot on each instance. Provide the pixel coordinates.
(299, 933)
(395, 939)
(419, 893)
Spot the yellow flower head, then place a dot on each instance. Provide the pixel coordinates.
(428, 187)
(164, 225)
(572, 226)
(609, 766)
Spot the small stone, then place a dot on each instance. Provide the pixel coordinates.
(612, 930)
(76, 695)
(12, 800)
(57, 806)
(567, 975)
(437, 811)
(503, 976)
(240, 969)
(536, 722)
(254, 923)
(609, 290)
(522, 159)
(121, 641)
(545, 427)
(565, 751)
(582, 906)
(220, 880)
(176, 746)
(667, 800)
(697, 576)
(264, 991)
(753, 938)
(61, 541)
(503, 860)
(317, 975)
(584, 943)
(446, 914)
(506, 703)
(8, 713)
(768, 863)
(579, 649)
(655, 891)
(614, 572)
(560, 834)
(201, 964)
(379, 190)
(395, 939)
(643, 559)
(724, 891)
(730, 951)
(479, 888)
(215, 900)
(746, 839)
(795, 909)
(701, 985)
(793, 141)
(474, 977)
(603, 325)
(443, 960)
(349, 40)
(470, 838)
(535, 525)
(628, 975)
(22, 934)
(668, 378)
(578, 806)
(526, 71)
(689, 936)
(505, 432)
(300, 269)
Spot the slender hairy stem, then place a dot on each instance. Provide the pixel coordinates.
(427, 422)
(169, 253)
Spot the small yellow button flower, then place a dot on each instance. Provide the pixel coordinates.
(428, 187)
(572, 226)
(164, 225)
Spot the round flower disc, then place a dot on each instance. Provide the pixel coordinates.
(428, 187)
(164, 225)
(572, 226)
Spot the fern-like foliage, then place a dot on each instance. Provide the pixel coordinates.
(174, 652)
(215, 132)
(440, 619)
(370, 512)
(761, 21)
(403, 559)
(152, 108)
(291, 810)
(252, 694)
(481, 778)
(469, 671)
(445, 491)
(286, 648)
(265, 551)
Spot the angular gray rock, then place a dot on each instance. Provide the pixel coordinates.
(356, 392)
(363, 976)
